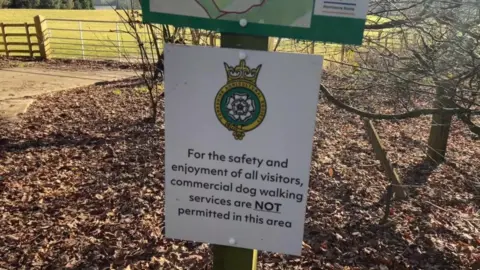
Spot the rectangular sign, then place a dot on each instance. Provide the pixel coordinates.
(239, 128)
(340, 21)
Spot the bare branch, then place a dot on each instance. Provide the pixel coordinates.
(467, 121)
(379, 116)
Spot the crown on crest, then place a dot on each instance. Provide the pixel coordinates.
(242, 72)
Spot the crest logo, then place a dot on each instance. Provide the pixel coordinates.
(240, 106)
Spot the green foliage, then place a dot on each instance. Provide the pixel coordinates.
(117, 92)
(67, 4)
(4, 3)
(24, 3)
(87, 4)
(48, 4)
(142, 89)
(83, 4)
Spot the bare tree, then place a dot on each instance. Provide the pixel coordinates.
(150, 52)
(423, 60)
(149, 39)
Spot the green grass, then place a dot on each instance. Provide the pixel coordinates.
(117, 92)
(66, 43)
(142, 89)
(105, 42)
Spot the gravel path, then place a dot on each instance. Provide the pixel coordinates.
(21, 85)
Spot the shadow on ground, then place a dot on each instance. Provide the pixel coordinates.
(82, 187)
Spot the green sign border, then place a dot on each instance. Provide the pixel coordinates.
(324, 28)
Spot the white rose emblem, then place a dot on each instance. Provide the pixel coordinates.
(240, 106)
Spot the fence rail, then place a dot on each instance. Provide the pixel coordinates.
(96, 39)
(91, 39)
(7, 45)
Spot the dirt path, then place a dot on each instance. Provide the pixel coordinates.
(20, 86)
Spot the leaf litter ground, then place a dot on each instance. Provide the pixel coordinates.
(81, 187)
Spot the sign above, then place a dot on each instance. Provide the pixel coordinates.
(238, 144)
(339, 21)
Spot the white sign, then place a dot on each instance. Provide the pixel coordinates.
(239, 127)
(342, 8)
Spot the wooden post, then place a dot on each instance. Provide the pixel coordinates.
(29, 40)
(244, 42)
(231, 258)
(441, 123)
(4, 35)
(43, 40)
(382, 156)
(81, 39)
(211, 36)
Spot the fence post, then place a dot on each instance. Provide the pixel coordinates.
(81, 39)
(118, 42)
(29, 40)
(4, 35)
(391, 173)
(231, 258)
(212, 39)
(43, 39)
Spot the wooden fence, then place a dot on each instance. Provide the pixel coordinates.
(10, 48)
(29, 39)
(101, 39)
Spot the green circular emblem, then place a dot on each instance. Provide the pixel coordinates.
(240, 106)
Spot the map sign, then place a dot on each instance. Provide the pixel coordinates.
(340, 21)
(238, 145)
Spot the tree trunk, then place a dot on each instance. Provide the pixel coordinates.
(195, 36)
(440, 126)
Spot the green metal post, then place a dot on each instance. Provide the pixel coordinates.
(231, 258)
(244, 42)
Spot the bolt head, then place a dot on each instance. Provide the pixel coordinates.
(243, 22)
(242, 55)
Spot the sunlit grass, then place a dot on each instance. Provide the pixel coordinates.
(66, 37)
(106, 42)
